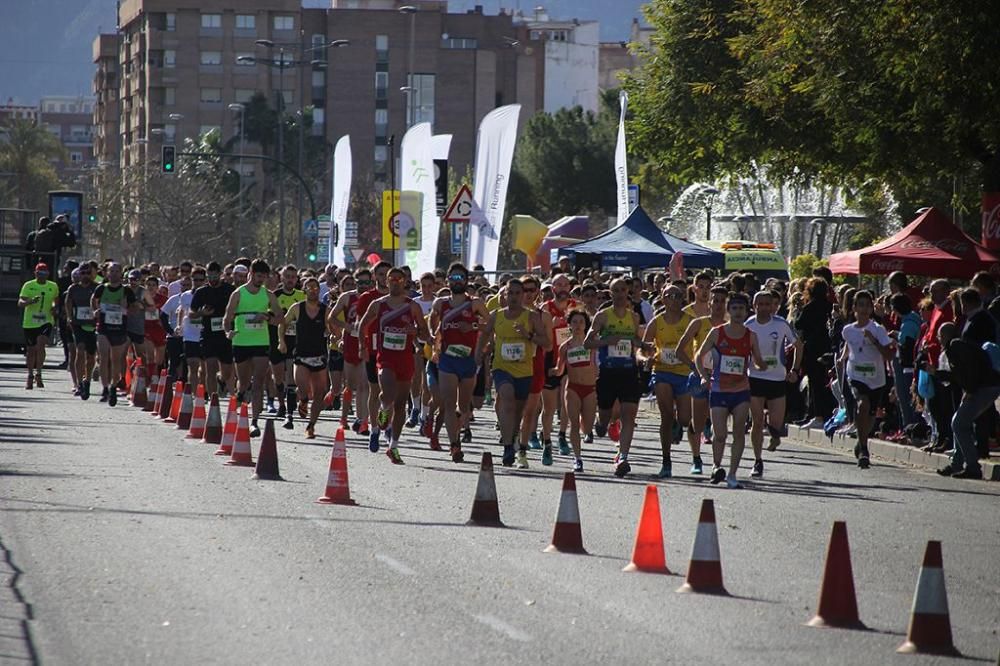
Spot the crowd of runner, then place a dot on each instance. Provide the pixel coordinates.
(563, 360)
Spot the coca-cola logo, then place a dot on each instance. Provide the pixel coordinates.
(991, 223)
(953, 245)
(887, 265)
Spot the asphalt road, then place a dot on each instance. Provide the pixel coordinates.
(121, 542)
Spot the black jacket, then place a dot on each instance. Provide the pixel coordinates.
(971, 368)
(980, 328)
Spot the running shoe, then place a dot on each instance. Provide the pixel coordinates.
(113, 397)
(288, 425)
(621, 467)
(310, 432)
(863, 461)
(383, 418)
(104, 394)
(718, 475)
(85, 391)
(467, 435)
(30, 383)
(732, 483)
(758, 469)
(547, 455)
(254, 430)
(600, 429)
(435, 443)
(522, 459)
(356, 426)
(578, 465)
(666, 471)
(696, 467)
(508, 455)
(38, 380)
(373, 441)
(77, 391)
(615, 431)
(564, 449)
(589, 439)
(456, 454)
(414, 418)
(774, 443)
(271, 409)
(534, 442)
(393, 454)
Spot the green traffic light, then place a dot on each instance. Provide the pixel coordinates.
(312, 257)
(91, 218)
(168, 167)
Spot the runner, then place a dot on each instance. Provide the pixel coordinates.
(135, 320)
(580, 366)
(615, 333)
(867, 347)
(112, 302)
(399, 321)
(702, 288)
(335, 362)
(176, 366)
(309, 319)
(154, 335)
(281, 369)
(455, 322)
(699, 429)
(80, 317)
(249, 310)
(767, 387)
(553, 392)
(38, 299)
(533, 406)
(209, 303)
(367, 340)
(343, 320)
(732, 346)
(514, 332)
(419, 395)
(190, 330)
(670, 374)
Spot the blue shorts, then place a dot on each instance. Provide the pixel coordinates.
(465, 368)
(679, 383)
(522, 385)
(432, 374)
(697, 393)
(728, 401)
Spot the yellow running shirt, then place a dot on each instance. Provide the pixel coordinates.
(667, 337)
(512, 353)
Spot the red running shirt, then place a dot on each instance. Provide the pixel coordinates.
(731, 358)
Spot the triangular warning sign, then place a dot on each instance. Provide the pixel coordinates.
(460, 210)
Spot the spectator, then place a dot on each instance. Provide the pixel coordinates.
(811, 324)
(928, 354)
(906, 334)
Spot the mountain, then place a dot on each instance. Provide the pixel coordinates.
(45, 45)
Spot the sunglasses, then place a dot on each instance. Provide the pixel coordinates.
(456, 277)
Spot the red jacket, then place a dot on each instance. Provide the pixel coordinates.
(929, 342)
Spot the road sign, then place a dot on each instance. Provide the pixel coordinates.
(401, 219)
(323, 237)
(460, 210)
(356, 252)
(350, 234)
(457, 236)
(440, 186)
(310, 229)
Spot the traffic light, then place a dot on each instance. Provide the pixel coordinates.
(311, 251)
(167, 161)
(92, 215)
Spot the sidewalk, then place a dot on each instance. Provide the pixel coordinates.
(906, 455)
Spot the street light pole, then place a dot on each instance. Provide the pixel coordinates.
(409, 89)
(710, 194)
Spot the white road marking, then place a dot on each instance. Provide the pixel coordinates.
(499, 625)
(395, 565)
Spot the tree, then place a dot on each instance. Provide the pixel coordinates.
(26, 151)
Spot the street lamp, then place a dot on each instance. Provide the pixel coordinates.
(409, 89)
(709, 193)
(740, 221)
(236, 106)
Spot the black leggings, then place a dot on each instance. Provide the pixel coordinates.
(820, 397)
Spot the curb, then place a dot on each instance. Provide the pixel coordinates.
(906, 455)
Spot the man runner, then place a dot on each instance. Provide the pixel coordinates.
(287, 295)
(80, 315)
(209, 303)
(112, 303)
(38, 299)
(308, 317)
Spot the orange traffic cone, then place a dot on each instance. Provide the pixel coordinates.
(338, 486)
(213, 423)
(166, 400)
(930, 623)
(184, 413)
(229, 431)
(138, 395)
(130, 362)
(705, 571)
(154, 383)
(567, 537)
(197, 429)
(838, 605)
(175, 406)
(241, 455)
(647, 553)
(485, 509)
(267, 457)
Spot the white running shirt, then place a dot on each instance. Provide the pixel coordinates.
(772, 338)
(865, 363)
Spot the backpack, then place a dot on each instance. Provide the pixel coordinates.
(993, 352)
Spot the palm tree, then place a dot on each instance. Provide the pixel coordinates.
(26, 151)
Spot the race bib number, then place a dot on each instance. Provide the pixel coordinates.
(354, 330)
(393, 341)
(112, 314)
(39, 318)
(313, 361)
(772, 362)
(458, 351)
(563, 335)
(733, 365)
(623, 349)
(215, 324)
(512, 351)
(669, 357)
(152, 315)
(578, 355)
(249, 325)
(865, 370)
(84, 313)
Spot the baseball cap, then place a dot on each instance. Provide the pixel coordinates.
(40, 266)
(134, 274)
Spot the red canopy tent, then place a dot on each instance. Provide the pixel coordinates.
(930, 245)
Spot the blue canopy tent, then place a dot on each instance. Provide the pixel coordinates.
(639, 243)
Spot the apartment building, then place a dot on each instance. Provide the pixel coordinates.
(107, 141)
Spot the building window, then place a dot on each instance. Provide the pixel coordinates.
(381, 42)
(211, 57)
(211, 95)
(170, 58)
(317, 43)
(288, 97)
(245, 60)
(381, 153)
(243, 95)
(171, 21)
(284, 23)
(169, 96)
(459, 43)
(381, 84)
(420, 101)
(75, 157)
(381, 122)
(211, 21)
(246, 22)
(319, 117)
